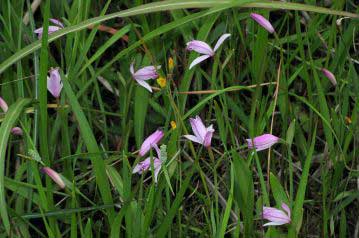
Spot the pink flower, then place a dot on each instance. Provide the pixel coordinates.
(54, 176)
(263, 22)
(330, 76)
(202, 135)
(150, 141)
(262, 142)
(146, 73)
(146, 164)
(203, 48)
(51, 29)
(54, 84)
(17, 131)
(3, 105)
(275, 216)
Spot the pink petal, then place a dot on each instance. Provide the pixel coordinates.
(144, 84)
(198, 60)
(275, 215)
(200, 47)
(198, 127)
(193, 138)
(286, 208)
(220, 41)
(17, 131)
(208, 137)
(54, 176)
(54, 84)
(330, 76)
(3, 105)
(263, 22)
(262, 142)
(132, 69)
(57, 22)
(275, 223)
(154, 138)
(148, 72)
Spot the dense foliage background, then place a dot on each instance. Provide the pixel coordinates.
(92, 132)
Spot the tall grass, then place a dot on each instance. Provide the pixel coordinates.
(256, 83)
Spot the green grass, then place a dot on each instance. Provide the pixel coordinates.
(92, 133)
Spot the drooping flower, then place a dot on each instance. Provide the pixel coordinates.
(146, 164)
(276, 216)
(16, 131)
(51, 29)
(262, 142)
(204, 49)
(330, 76)
(150, 141)
(54, 84)
(3, 105)
(54, 176)
(173, 125)
(263, 22)
(146, 73)
(202, 135)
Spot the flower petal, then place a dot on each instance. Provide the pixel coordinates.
(132, 69)
(263, 22)
(198, 127)
(286, 208)
(17, 131)
(57, 22)
(144, 84)
(198, 60)
(273, 223)
(193, 138)
(54, 176)
(154, 138)
(3, 105)
(200, 47)
(262, 142)
(220, 41)
(208, 137)
(330, 76)
(148, 72)
(54, 84)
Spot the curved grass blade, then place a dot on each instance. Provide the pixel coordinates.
(165, 6)
(10, 118)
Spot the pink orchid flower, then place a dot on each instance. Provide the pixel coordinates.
(51, 29)
(263, 22)
(150, 141)
(146, 73)
(5, 108)
(146, 164)
(202, 135)
(54, 84)
(275, 216)
(262, 142)
(330, 76)
(54, 176)
(203, 48)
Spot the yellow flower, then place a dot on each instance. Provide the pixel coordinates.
(173, 125)
(162, 81)
(348, 120)
(170, 63)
